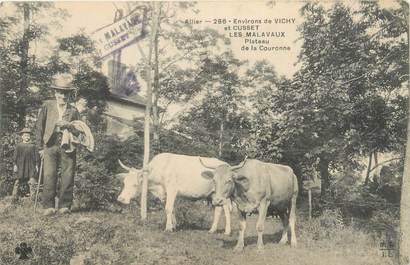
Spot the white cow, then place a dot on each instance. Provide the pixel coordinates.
(172, 175)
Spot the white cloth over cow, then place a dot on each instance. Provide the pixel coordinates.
(172, 175)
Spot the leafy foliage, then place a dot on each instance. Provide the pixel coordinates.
(335, 108)
(7, 178)
(216, 117)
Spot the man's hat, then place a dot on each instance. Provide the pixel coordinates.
(25, 130)
(63, 82)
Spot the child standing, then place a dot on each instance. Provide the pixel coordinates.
(26, 160)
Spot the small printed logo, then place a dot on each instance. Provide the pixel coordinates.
(388, 245)
(23, 250)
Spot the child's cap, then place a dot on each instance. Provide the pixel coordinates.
(25, 130)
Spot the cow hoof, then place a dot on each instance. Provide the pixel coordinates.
(260, 249)
(293, 244)
(227, 233)
(212, 231)
(168, 229)
(238, 249)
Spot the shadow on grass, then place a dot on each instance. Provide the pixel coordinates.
(249, 241)
(191, 227)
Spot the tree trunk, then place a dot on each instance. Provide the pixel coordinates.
(376, 160)
(155, 97)
(25, 45)
(404, 247)
(405, 205)
(221, 134)
(310, 203)
(144, 191)
(324, 176)
(369, 165)
(2, 120)
(376, 163)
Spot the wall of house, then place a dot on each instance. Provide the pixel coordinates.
(120, 118)
(124, 111)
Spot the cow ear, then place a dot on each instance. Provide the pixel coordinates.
(208, 174)
(121, 176)
(241, 181)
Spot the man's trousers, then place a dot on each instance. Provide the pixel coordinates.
(54, 158)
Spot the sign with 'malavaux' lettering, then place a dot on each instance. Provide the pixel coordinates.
(121, 33)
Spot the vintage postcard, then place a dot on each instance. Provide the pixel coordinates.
(207, 132)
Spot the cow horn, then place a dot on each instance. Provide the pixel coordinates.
(202, 162)
(241, 164)
(123, 166)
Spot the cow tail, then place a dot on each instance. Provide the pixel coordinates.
(292, 212)
(295, 185)
(292, 202)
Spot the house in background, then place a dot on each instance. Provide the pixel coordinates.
(124, 104)
(121, 114)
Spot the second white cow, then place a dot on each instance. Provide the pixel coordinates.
(172, 175)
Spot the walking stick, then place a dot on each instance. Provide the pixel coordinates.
(40, 174)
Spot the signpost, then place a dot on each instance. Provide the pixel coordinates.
(121, 33)
(309, 185)
(110, 40)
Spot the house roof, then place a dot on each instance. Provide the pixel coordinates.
(134, 100)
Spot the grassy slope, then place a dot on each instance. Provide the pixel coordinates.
(119, 238)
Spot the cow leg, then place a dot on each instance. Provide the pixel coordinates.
(217, 215)
(292, 221)
(227, 210)
(260, 225)
(285, 222)
(174, 221)
(242, 227)
(169, 208)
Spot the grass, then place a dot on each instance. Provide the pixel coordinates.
(121, 238)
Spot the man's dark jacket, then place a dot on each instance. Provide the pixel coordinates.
(47, 119)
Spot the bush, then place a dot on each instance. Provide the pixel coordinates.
(329, 230)
(96, 186)
(355, 201)
(8, 143)
(383, 221)
(322, 227)
(193, 214)
(331, 219)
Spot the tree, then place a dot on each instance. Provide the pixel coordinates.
(310, 116)
(178, 51)
(404, 251)
(77, 54)
(341, 104)
(337, 78)
(218, 108)
(23, 71)
(392, 34)
(148, 63)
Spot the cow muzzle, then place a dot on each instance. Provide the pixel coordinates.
(122, 200)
